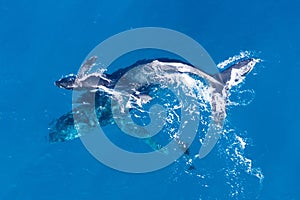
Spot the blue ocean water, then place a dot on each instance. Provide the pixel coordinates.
(42, 40)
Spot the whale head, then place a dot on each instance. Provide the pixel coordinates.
(245, 66)
(66, 82)
(236, 73)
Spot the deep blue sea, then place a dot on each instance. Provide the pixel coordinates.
(42, 40)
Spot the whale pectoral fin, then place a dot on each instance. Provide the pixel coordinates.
(155, 145)
(86, 66)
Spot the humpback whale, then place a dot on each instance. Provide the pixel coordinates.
(101, 84)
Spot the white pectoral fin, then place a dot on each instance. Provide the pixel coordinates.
(86, 66)
(156, 146)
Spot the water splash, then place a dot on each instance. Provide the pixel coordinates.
(241, 97)
(239, 165)
(242, 178)
(236, 58)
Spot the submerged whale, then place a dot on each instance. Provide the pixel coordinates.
(101, 84)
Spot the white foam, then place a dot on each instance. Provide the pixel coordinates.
(230, 60)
